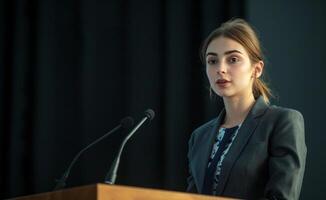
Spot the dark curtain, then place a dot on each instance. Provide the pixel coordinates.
(71, 70)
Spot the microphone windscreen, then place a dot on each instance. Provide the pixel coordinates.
(150, 114)
(127, 122)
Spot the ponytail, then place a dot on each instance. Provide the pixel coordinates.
(260, 88)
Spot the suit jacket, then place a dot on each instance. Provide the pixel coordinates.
(265, 161)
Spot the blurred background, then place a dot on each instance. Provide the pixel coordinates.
(71, 70)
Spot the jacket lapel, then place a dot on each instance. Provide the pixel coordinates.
(246, 130)
(201, 158)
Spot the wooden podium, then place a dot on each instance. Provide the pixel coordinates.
(114, 192)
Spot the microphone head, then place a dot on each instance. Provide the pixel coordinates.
(127, 122)
(150, 114)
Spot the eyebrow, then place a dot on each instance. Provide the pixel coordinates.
(225, 53)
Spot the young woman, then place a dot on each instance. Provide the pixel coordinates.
(252, 150)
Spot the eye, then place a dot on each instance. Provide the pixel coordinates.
(234, 59)
(212, 61)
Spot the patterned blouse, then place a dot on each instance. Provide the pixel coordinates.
(222, 144)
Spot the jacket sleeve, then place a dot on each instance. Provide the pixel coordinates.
(190, 180)
(287, 159)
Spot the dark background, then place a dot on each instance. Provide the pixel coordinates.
(70, 70)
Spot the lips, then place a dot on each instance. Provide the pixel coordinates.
(222, 81)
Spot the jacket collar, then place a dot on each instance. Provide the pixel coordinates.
(244, 133)
(246, 130)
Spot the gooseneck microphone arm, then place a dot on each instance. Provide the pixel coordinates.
(125, 123)
(112, 174)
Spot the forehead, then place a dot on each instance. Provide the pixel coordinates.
(221, 45)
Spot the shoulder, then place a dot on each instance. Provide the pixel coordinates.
(288, 124)
(206, 126)
(281, 113)
(204, 129)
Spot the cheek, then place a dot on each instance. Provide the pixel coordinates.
(242, 74)
(210, 74)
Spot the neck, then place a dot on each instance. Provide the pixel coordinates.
(236, 109)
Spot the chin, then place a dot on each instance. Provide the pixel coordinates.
(223, 94)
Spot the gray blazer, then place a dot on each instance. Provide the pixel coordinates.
(265, 161)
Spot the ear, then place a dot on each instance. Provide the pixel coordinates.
(258, 69)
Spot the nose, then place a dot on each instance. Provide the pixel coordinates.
(221, 68)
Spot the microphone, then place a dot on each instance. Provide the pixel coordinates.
(125, 123)
(112, 174)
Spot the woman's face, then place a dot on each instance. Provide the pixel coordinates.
(228, 68)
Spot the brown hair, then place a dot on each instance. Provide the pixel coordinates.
(240, 31)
